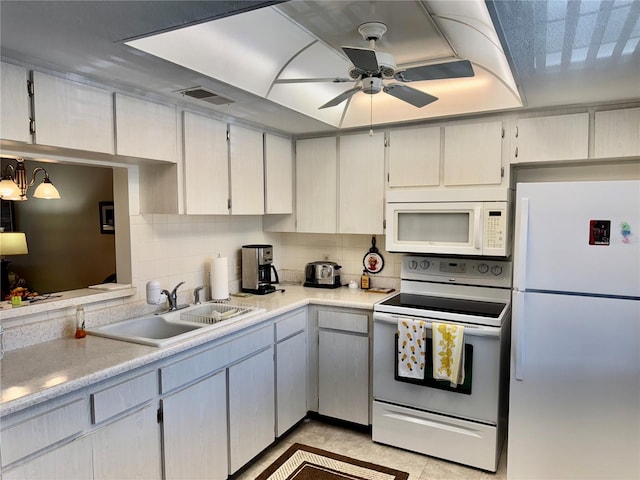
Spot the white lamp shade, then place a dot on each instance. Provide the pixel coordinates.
(9, 190)
(13, 243)
(46, 190)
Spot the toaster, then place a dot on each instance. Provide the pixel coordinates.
(322, 275)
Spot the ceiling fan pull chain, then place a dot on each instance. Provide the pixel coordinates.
(371, 116)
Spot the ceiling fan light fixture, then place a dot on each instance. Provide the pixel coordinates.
(371, 85)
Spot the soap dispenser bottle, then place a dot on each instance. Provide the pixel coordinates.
(80, 331)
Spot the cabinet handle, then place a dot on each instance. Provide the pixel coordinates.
(32, 126)
(516, 131)
(516, 152)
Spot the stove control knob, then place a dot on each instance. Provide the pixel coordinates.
(412, 265)
(483, 268)
(496, 270)
(425, 264)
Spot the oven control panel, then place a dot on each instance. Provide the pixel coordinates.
(457, 270)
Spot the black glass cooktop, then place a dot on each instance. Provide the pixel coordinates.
(445, 304)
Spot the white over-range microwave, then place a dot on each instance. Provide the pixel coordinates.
(449, 221)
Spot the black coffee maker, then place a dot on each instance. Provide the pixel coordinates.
(257, 265)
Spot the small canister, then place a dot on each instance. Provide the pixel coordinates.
(154, 293)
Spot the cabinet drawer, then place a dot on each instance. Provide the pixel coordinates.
(38, 432)
(116, 399)
(439, 436)
(290, 324)
(348, 322)
(201, 364)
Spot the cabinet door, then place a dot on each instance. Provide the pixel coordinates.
(362, 183)
(128, 448)
(206, 166)
(247, 171)
(195, 431)
(14, 114)
(278, 175)
(414, 157)
(72, 115)
(69, 462)
(473, 154)
(617, 133)
(316, 185)
(145, 129)
(561, 137)
(343, 376)
(251, 408)
(291, 384)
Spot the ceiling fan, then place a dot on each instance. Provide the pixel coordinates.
(371, 68)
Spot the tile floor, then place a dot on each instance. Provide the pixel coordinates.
(357, 444)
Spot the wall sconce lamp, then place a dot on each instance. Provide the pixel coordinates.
(14, 185)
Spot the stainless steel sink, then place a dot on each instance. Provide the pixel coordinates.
(152, 330)
(167, 329)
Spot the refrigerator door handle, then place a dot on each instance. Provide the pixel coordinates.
(522, 229)
(518, 331)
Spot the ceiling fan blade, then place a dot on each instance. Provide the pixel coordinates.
(342, 97)
(314, 80)
(459, 69)
(409, 94)
(363, 59)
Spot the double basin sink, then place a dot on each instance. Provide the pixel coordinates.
(161, 330)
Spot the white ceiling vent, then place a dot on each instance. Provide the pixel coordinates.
(200, 93)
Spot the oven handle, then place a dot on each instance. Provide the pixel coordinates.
(473, 330)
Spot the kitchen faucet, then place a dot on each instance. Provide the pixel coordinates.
(196, 295)
(172, 298)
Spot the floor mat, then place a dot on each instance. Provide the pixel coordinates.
(302, 462)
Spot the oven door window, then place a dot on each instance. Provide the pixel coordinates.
(429, 381)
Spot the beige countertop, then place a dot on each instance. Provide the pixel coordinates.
(41, 372)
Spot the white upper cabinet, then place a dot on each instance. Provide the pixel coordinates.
(556, 138)
(145, 129)
(473, 153)
(247, 171)
(206, 166)
(316, 185)
(278, 174)
(617, 133)
(361, 203)
(414, 157)
(14, 98)
(72, 115)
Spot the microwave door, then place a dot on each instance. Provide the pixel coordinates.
(446, 228)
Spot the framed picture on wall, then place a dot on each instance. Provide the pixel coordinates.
(107, 218)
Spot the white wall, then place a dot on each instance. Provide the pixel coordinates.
(298, 249)
(176, 248)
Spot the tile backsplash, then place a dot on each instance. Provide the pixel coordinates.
(177, 248)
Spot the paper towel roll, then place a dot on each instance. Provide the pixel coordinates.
(219, 279)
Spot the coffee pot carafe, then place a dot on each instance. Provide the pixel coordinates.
(257, 267)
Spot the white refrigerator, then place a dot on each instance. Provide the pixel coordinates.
(574, 408)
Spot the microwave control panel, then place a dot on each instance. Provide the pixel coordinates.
(495, 227)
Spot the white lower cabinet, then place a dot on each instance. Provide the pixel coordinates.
(343, 366)
(203, 414)
(194, 431)
(129, 447)
(291, 370)
(251, 408)
(69, 462)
